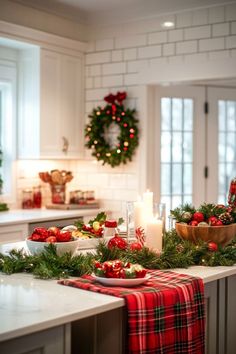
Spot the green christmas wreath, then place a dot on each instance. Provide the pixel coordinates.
(101, 119)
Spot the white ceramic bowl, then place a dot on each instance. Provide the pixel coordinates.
(61, 247)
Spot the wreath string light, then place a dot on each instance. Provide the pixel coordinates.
(101, 120)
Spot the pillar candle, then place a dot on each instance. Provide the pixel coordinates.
(148, 204)
(154, 234)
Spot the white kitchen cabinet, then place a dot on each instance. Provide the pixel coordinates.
(51, 120)
(52, 341)
(13, 233)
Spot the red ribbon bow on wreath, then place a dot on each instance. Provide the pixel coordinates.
(120, 97)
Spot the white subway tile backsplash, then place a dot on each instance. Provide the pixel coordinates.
(97, 82)
(233, 27)
(111, 81)
(157, 37)
(231, 42)
(197, 32)
(149, 52)
(117, 55)
(196, 57)
(158, 61)
(117, 180)
(220, 29)
(89, 82)
(176, 35)
(233, 53)
(96, 58)
(104, 44)
(90, 47)
(95, 70)
(114, 68)
(130, 54)
(130, 41)
(176, 60)
(216, 14)
(104, 193)
(136, 65)
(184, 19)
(131, 79)
(169, 49)
(89, 107)
(199, 17)
(219, 54)
(87, 71)
(186, 47)
(211, 44)
(96, 94)
(230, 12)
(124, 194)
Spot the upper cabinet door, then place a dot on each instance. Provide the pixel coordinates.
(50, 113)
(58, 121)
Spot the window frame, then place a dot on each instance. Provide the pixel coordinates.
(8, 80)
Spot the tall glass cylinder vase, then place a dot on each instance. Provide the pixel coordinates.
(130, 221)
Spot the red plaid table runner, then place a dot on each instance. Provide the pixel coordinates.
(165, 315)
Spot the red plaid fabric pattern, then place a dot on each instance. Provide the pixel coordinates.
(165, 315)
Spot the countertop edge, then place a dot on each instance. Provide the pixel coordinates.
(70, 317)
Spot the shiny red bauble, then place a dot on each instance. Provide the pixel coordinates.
(118, 242)
(212, 246)
(135, 246)
(198, 216)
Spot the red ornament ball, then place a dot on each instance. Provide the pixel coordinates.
(212, 246)
(135, 246)
(193, 223)
(118, 242)
(198, 216)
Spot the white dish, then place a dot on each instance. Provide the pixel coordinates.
(61, 247)
(121, 282)
(88, 243)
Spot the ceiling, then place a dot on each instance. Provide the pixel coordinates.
(116, 11)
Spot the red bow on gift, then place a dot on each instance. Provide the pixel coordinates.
(120, 97)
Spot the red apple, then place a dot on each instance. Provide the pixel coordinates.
(53, 231)
(51, 239)
(64, 236)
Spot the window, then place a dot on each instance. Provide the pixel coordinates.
(198, 149)
(7, 130)
(176, 150)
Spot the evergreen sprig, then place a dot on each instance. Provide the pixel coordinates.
(177, 253)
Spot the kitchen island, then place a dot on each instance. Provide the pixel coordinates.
(41, 315)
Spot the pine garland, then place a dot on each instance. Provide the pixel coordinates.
(177, 253)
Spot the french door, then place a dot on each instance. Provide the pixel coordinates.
(197, 151)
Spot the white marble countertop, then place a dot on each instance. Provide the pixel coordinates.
(28, 305)
(21, 216)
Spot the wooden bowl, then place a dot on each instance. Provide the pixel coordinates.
(219, 234)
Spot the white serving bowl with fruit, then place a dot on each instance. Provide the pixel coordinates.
(42, 237)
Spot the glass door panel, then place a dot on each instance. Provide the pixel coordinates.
(182, 143)
(222, 148)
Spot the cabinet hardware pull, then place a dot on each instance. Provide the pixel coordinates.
(65, 145)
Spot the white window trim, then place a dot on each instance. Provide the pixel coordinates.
(8, 88)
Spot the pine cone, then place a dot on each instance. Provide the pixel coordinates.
(226, 218)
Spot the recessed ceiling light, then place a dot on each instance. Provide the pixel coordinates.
(168, 24)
